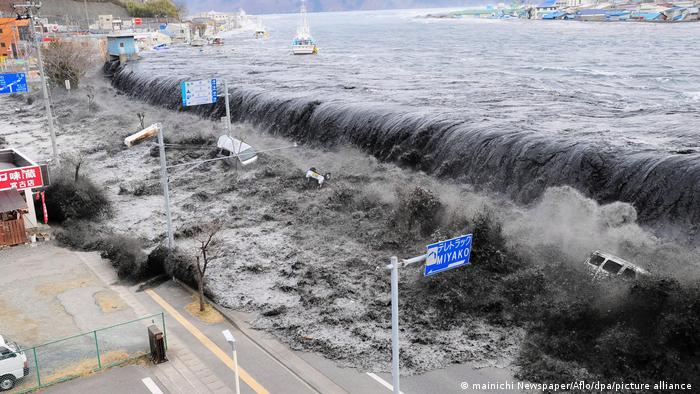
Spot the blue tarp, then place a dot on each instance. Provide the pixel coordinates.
(553, 15)
(650, 16)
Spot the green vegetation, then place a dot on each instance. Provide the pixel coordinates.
(153, 9)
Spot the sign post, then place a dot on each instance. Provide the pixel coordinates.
(228, 109)
(21, 178)
(198, 92)
(13, 83)
(441, 256)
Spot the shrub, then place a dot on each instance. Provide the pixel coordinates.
(67, 198)
(418, 210)
(175, 263)
(66, 60)
(126, 255)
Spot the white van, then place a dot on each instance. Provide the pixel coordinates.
(13, 364)
(602, 264)
(229, 146)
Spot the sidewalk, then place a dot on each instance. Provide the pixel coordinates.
(199, 357)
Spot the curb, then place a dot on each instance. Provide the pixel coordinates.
(319, 383)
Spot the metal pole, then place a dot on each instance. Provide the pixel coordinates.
(97, 347)
(164, 180)
(235, 367)
(395, 323)
(87, 17)
(47, 101)
(228, 110)
(165, 334)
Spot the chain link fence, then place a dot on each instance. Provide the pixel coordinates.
(79, 355)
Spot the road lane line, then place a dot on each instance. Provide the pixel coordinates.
(151, 386)
(382, 382)
(252, 383)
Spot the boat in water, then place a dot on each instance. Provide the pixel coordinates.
(217, 41)
(198, 42)
(260, 31)
(303, 43)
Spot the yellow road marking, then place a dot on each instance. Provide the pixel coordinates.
(252, 383)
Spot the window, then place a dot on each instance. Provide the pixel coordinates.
(6, 353)
(0, 31)
(612, 267)
(596, 260)
(629, 273)
(2, 45)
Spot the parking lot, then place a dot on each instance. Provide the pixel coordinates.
(49, 293)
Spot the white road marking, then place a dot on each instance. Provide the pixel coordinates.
(382, 382)
(151, 386)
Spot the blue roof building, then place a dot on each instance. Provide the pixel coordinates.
(122, 47)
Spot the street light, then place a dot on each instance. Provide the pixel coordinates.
(232, 341)
(148, 132)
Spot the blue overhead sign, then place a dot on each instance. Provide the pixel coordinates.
(198, 92)
(445, 255)
(13, 83)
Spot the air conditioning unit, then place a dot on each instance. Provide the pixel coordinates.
(157, 342)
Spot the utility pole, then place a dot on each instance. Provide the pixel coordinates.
(228, 109)
(47, 101)
(87, 17)
(166, 192)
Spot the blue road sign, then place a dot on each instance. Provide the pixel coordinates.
(163, 26)
(445, 255)
(198, 92)
(13, 83)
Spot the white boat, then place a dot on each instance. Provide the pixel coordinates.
(303, 43)
(198, 42)
(260, 31)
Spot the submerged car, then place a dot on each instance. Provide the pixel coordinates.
(13, 364)
(602, 264)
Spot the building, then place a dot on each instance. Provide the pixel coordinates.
(151, 39)
(12, 31)
(546, 7)
(178, 32)
(122, 47)
(19, 178)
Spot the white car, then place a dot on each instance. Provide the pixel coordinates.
(602, 264)
(13, 364)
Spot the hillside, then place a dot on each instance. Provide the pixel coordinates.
(285, 6)
(68, 10)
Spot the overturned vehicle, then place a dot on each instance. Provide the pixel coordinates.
(601, 265)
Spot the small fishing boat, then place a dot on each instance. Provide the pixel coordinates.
(217, 41)
(303, 43)
(198, 42)
(260, 31)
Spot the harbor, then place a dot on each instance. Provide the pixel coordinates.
(584, 11)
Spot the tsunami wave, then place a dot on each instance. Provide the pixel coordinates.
(493, 156)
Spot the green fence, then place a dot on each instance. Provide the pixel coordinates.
(72, 357)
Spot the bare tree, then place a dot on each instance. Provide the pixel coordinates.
(142, 116)
(67, 60)
(90, 93)
(206, 238)
(75, 160)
